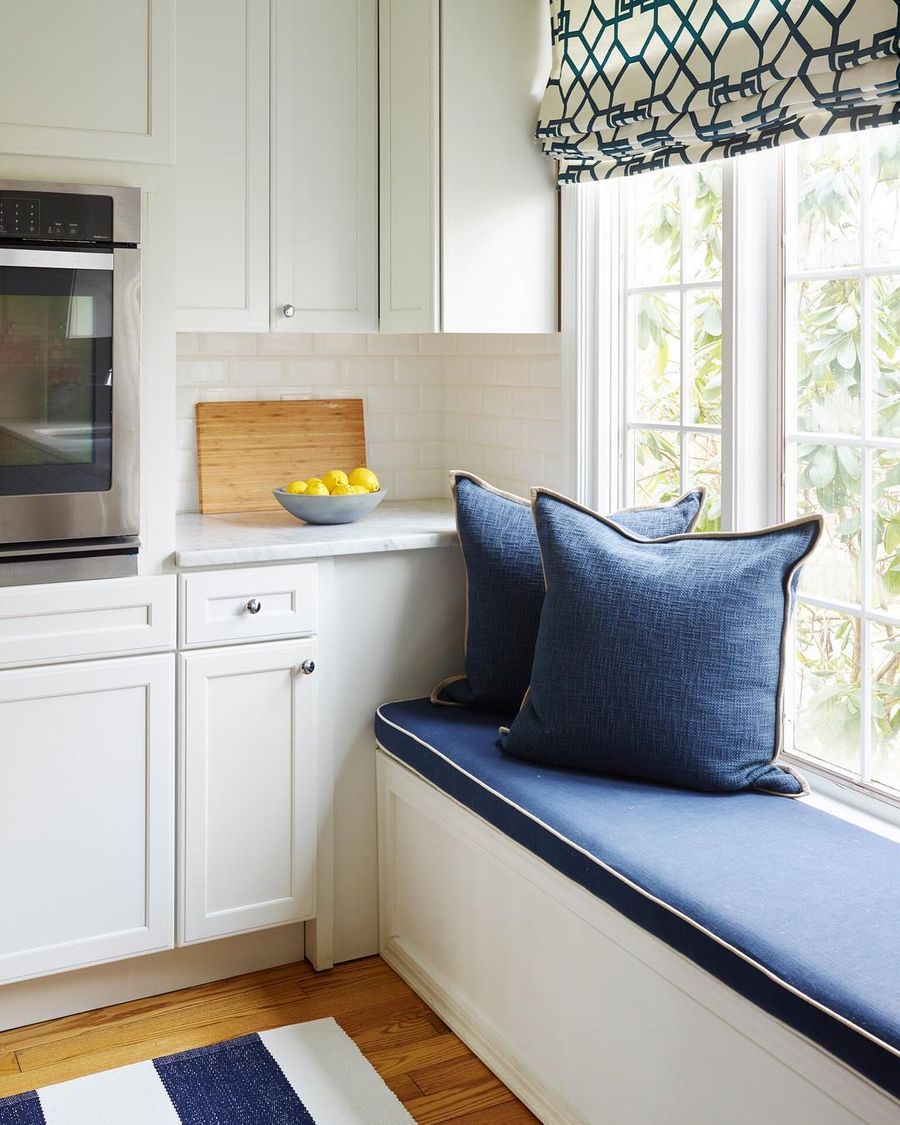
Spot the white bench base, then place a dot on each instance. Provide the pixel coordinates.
(584, 1015)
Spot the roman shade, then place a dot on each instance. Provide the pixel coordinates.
(638, 85)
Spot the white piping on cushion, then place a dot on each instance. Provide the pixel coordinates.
(634, 886)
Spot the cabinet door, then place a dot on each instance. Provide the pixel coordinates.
(248, 789)
(325, 165)
(88, 80)
(86, 814)
(222, 173)
(409, 141)
(499, 199)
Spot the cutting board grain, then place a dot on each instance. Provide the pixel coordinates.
(245, 449)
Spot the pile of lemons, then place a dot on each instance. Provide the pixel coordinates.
(336, 483)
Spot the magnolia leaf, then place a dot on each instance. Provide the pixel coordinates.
(822, 466)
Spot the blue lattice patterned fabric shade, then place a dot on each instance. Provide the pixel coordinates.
(638, 85)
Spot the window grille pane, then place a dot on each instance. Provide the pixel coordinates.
(703, 210)
(655, 234)
(827, 690)
(826, 213)
(705, 370)
(705, 467)
(885, 209)
(885, 766)
(655, 332)
(829, 481)
(827, 355)
(656, 472)
(885, 588)
(885, 334)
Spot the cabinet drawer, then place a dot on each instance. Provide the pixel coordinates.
(259, 603)
(70, 620)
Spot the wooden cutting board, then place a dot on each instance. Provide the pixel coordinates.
(245, 449)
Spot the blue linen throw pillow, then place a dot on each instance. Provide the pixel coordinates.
(662, 660)
(505, 587)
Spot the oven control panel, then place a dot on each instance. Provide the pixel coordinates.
(55, 217)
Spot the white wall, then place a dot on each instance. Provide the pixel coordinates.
(489, 404)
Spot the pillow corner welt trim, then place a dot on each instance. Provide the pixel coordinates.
(772, 976)
(463, 474)
(439, 687)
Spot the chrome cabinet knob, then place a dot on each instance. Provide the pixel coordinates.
(287, 310)
(254, 605)
(308, 667)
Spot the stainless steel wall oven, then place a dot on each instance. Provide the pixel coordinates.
(70, 273)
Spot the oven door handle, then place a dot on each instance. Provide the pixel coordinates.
(55, 259)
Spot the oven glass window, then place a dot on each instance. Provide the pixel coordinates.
(55, 379)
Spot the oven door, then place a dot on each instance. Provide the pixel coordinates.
(69, 363)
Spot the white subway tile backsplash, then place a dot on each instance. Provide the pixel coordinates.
(489, 404)
(395, 399)
(201, 370)
(247, 372)
(312, 371)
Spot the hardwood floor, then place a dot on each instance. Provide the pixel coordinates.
(433, 1073)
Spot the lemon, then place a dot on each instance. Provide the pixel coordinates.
(314, 480)
(342, 490)
(315, 488)
(366, 478)
(333, 478)
(358, 489)
(296, 487)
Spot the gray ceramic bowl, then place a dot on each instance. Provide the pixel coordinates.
(329, 509)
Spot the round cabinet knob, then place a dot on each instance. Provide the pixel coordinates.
(308, 667)
(287, 310)
(254, 605)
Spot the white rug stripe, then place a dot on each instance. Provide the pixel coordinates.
(130, 1094)
(332, 1077)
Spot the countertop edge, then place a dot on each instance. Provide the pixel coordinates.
(228, 556)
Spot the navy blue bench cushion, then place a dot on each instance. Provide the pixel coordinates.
(797, 910)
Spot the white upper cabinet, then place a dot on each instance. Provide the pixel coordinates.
(325, 166)
(222, 185)
(91, 80)
(469, 208)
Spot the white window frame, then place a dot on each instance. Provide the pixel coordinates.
(753, 462)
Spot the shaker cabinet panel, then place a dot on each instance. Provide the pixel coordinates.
(91, 80)
(248, 789)
(469, 207)
(222, 180)
(409, 105)
(499, 198)
(87, 759)
(325, 166)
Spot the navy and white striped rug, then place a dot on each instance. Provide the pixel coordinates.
(304, 1074)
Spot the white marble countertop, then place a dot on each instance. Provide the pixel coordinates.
(396, 525)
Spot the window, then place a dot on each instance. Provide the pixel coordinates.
(803, 247)
(672, 390)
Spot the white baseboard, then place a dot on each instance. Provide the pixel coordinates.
(63, 994)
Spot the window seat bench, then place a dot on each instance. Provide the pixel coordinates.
(793, 909)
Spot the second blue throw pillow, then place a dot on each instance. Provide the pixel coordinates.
(505, 587)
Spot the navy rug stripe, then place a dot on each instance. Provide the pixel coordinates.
(237, 1081)
(22, 1109)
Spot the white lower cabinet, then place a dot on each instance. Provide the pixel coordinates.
(87, 764)
(247, 760)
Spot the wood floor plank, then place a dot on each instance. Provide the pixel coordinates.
(426, 1065)
(451, 1105)
(9, 1064)
(412, 1057)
